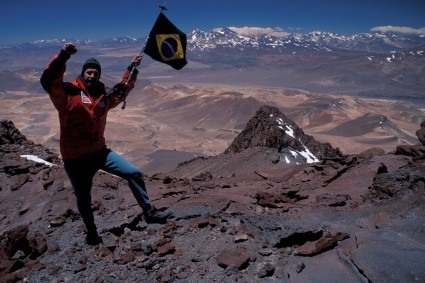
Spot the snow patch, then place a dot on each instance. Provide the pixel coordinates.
(37, 159)
(258, 31)
(289, 131)
(308, 155)
(294, 153)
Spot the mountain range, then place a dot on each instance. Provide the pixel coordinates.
(313, 42)
(378, 65)
(316, 41)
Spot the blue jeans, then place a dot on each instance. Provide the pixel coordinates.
(82, 171)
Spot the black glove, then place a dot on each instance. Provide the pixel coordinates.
(118, 90)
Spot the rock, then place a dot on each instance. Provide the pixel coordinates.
(109, 241)
(414, 150)
(166, 249)
(300, 267)
(19, 250)
(393, 184)
(266, 271)
(421, 133)
(52, 246)
(234, 257)
(382, 169)
(126, 258)
(266, 252)
(371, 152)
(167, 275)
(410, 150)
(18, 255)
(9, 134)
(323, 244)
(147, 250)
(332, 200)
(80, 267)
(241, 237)
(385, 254)
(272, 200)
(57, 222)
(203, 222)
(203, 177)
(38, 245)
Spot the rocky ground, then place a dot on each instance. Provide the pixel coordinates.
(239, 217)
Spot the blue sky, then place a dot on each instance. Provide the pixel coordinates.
(29, 20)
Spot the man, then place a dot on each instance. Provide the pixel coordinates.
(83, 105)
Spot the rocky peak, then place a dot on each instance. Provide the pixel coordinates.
(9, 134)
(13, 142)
(271, 128)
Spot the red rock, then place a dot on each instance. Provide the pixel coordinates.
(323, 244)
(166, 250)
(126, 258)
(235, 257)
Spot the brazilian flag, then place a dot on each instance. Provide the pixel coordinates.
(166, 43)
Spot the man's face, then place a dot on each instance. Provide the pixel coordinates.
(91, 76)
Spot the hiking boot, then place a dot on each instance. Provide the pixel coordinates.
(153, 215)
(93, 239)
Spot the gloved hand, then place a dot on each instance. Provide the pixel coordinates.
(136, 61)
(70, 48)
(118, 90)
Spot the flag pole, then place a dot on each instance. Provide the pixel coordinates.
(162, 8)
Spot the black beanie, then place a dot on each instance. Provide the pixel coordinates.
(91, 63)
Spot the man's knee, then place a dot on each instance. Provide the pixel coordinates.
(137, 175)
(131, 171)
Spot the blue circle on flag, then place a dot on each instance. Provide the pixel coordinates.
(169, 47)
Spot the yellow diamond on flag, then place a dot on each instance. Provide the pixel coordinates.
(169, 46)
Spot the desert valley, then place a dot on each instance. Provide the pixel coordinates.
(165, 124)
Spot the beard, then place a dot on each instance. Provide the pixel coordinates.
(91, 82)
(94, 86)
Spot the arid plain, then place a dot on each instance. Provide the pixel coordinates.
(165, 124)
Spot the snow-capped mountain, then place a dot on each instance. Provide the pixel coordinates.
(267, 40)
(401, 56)
(316, 41)
(111, 42)
(56, 41)
(370, 42)
(270, 128)
(224, 38)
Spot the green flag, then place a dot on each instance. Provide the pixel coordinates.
(166, 43)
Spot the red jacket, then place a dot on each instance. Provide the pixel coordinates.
(82, 112)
